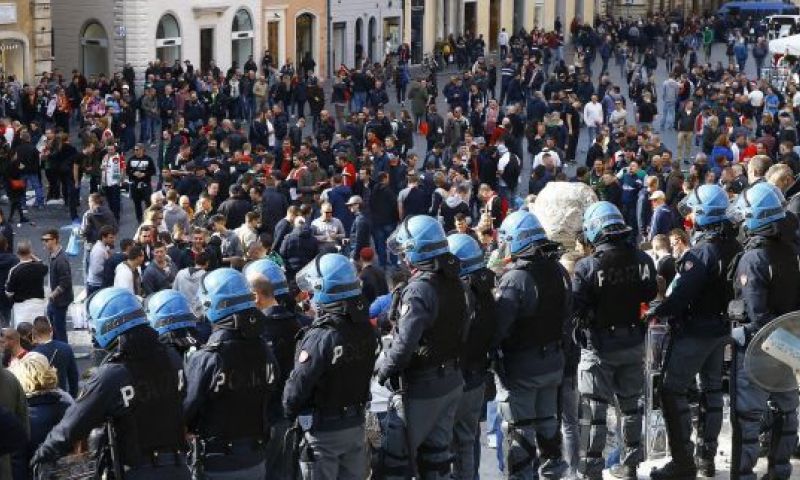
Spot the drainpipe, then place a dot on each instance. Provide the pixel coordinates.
(329, 19)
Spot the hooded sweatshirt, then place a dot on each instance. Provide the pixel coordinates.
(187, 281)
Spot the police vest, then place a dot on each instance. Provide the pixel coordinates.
(240, 390)
(784, 287)
(619, 280)
(346, 381)
(280, 332)
(483, 322)
(443, 341)
(155, 424)
(545, 325)
(718, 290)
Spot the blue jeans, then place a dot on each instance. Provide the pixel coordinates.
(32, 180)
(58, 318)
(493, 427)
(668, 115)
(150, 129)
(380, 234)
(359, 100)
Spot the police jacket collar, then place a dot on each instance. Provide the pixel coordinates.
(278, 312)
(447, 264)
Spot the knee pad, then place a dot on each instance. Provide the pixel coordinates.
(629, 406)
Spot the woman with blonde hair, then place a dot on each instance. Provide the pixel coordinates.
(46, 405)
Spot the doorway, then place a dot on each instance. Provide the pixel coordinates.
(206, 47)
(339, 49)
(494, 23)
(304, 41)
(471, 18)
(272, 42)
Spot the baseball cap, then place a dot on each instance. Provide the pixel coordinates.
(658, 194)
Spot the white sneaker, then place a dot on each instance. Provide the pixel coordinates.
(491, 441)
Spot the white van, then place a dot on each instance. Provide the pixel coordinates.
(779, 26)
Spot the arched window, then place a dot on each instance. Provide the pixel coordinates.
(168, 39)
(372, 39)
(241, 37)
(305, 42)
(94, 49)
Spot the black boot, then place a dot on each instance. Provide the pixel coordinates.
(675, 471)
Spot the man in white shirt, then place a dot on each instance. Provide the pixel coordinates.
(328, 230)
(593, 117)
(248, 231)
(756, 97)
(127, 275)
(97, 258)
(502, 41)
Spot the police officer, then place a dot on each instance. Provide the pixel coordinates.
(608, 287)
(479, 284)
(268, 283)
(230, 382)
(136, 390)
(767, 280)
(533, 302)
(696, 309)
(332, 372)
(171, 316)
(421, 365)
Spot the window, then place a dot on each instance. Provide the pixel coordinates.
(168, 39)
(241, 37)
(94, 49)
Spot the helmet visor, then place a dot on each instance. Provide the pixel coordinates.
(686, 206)
(309, 278)
(737, 210)
(396, 243)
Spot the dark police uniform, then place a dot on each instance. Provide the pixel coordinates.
(330, 383)
(533, 302)
(609, 286)
(229, 385)
(183, 341)
(139, 388)
(280, 332)
(474, 367)
(696, 307)
(426, 344)
(768, 281)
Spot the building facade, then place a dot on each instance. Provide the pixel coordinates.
(101, 36)
(364, 29)
(293, 29)
(25, 39)
(430, 21)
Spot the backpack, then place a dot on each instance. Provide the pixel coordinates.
(512, 171)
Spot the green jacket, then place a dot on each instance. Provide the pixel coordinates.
(708, 36)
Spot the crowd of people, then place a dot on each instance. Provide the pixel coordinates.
(271, 257)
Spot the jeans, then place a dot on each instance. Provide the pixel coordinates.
(380, 234)
(494, 427)
(112, 194)
(149, 129)
(32, 180)
(668, 115)
(74, 200)
(58, 318)
(359, 100)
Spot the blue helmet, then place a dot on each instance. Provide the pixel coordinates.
(330, 277)
(468, 251)
(603, 217)
(114, 311)
(272, 272)
(709, 203)
(520, 230)
(418, 238)
(223, 292)
(758, 206)
(169, 310)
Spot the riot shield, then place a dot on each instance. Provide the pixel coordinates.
(772, 359)
(655, 430)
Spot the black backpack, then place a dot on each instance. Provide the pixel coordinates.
(512, 171)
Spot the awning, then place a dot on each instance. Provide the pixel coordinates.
(786, 45)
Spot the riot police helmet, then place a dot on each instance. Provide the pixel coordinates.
(603, 219)
(223, 292)
(113, 311)
(272, 272)
(168, 310)
(418, 238)
(520, 230)
(330, 278)
(708, 203)
(758, 206)
(468, 251)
